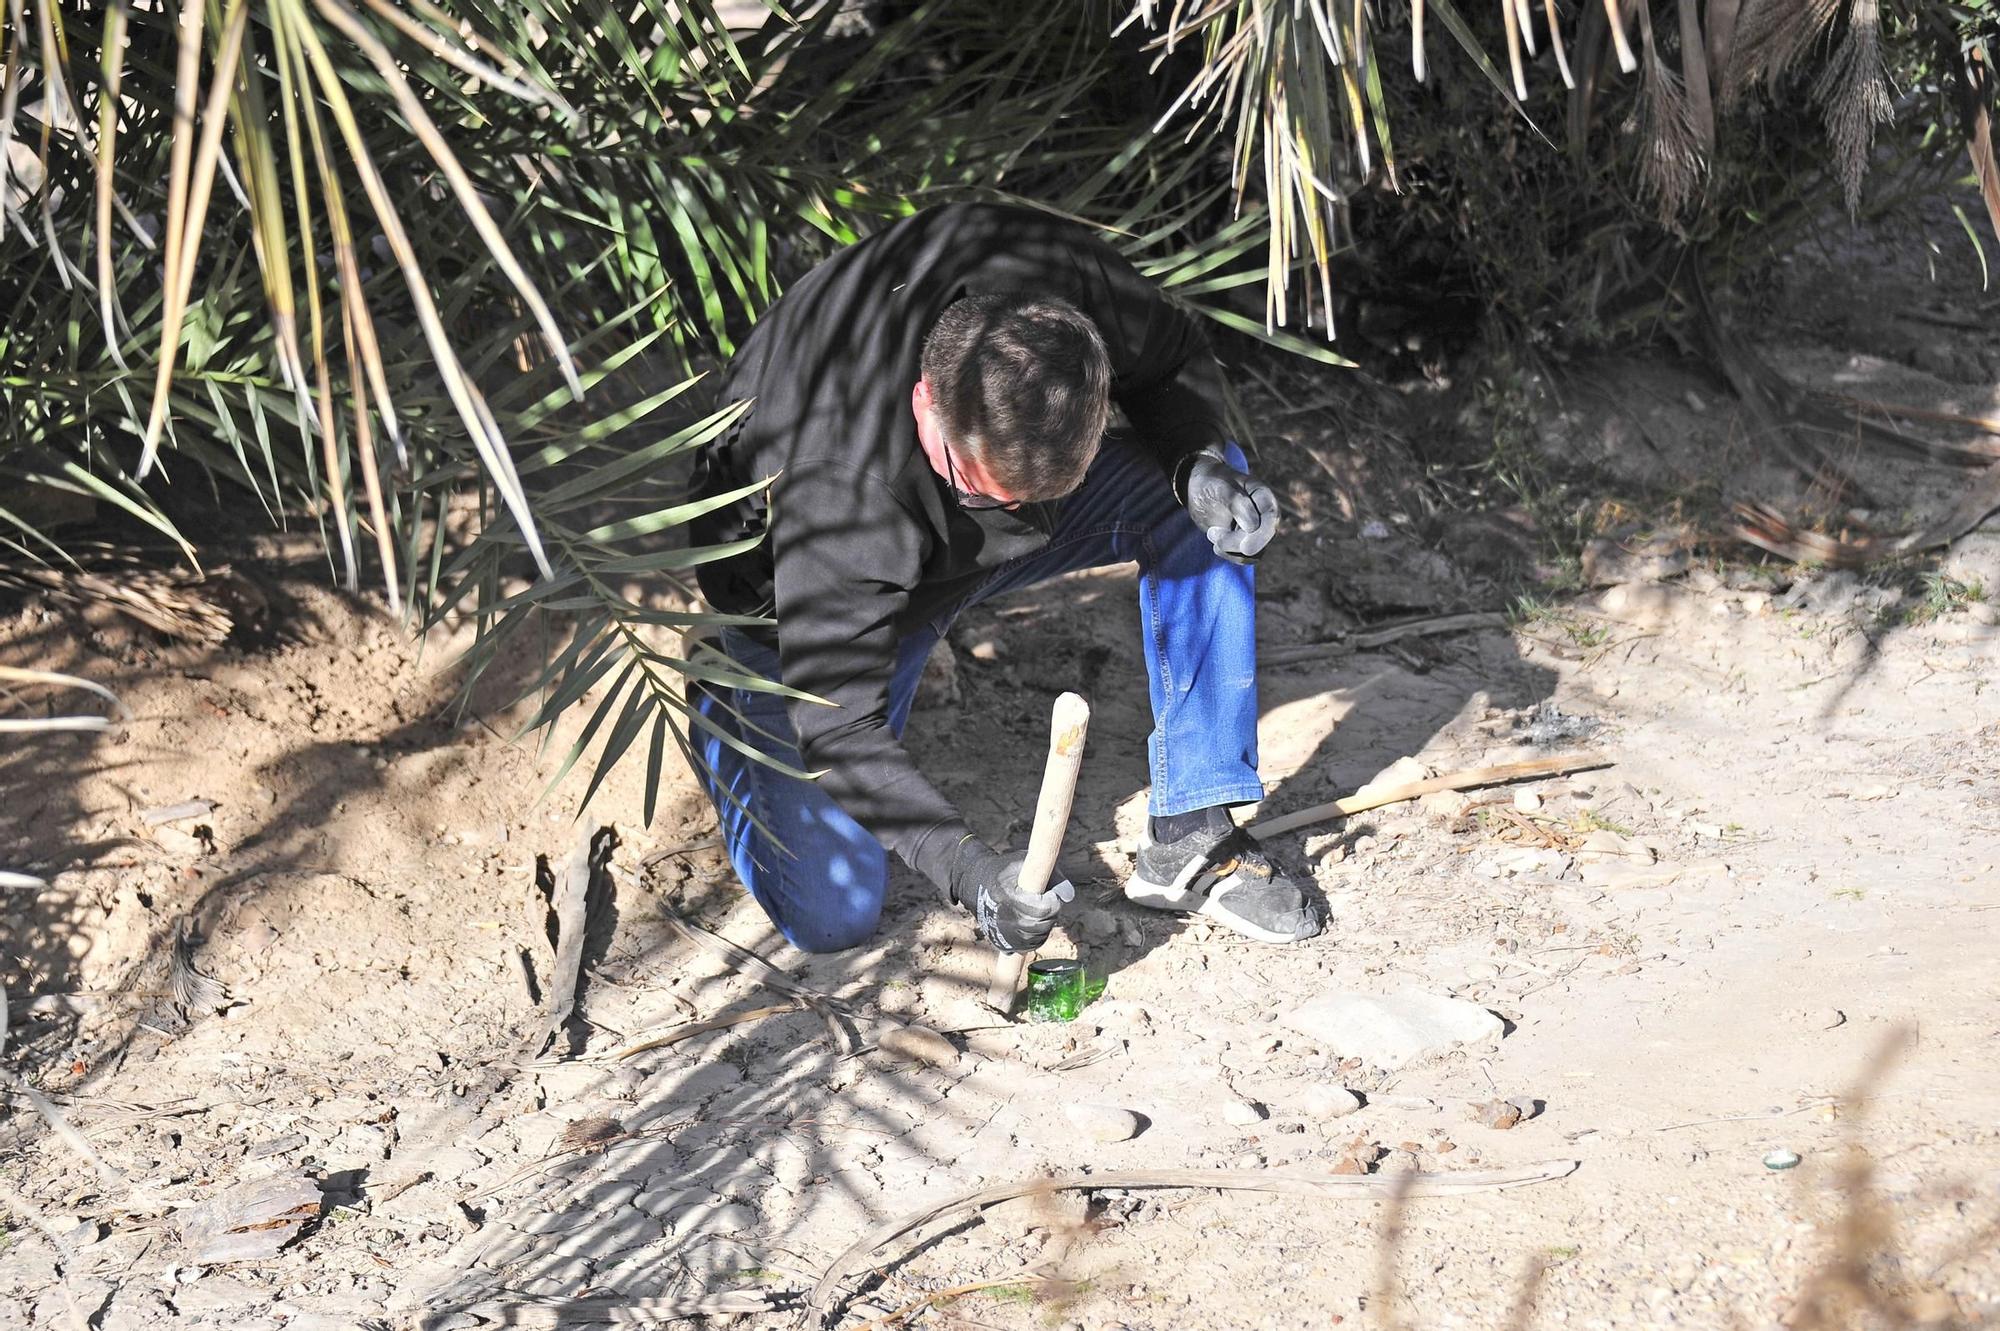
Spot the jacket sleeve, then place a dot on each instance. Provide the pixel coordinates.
(845, 558)
(1163, 373)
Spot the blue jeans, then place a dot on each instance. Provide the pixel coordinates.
(824, 887)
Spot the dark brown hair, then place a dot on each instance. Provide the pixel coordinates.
(1024, 384)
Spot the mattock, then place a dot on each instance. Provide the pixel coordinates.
(1069, 722)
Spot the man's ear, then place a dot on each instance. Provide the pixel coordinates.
(920, 396)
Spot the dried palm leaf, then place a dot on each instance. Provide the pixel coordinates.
(1771, 36)
(195, 993)
(1853, 90)
(1670, 157)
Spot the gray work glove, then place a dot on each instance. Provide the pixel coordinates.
(989, 884)
(1239, 514)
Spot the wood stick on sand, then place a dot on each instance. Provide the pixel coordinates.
(1374, 797)
(1069, 723)
(1289, 1182)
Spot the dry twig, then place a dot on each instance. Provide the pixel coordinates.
(1288, 1182)
(1369, 797)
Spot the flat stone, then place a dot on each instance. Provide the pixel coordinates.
(1390, 1030)
(1104, 1123)
(249, 1221)
(1327, 1102)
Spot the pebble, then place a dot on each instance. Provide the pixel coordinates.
(1242, 1113)
(1497, 1114)
(1330, 1102)
(1527, 801)
(1781, 1159)
(1104, 1123)
(1400, 1161)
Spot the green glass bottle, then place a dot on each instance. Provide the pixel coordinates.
(1057, 990)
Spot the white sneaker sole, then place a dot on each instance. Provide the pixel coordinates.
(1181, 898)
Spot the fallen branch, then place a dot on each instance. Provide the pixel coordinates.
(1381, 636)
(689, 1029)
(1373, 797)
(627, 1312)
(1288, 1182)
(932, 1297)
(1987, 424)
(1768, 529)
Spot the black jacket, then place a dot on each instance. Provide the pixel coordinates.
(863, 542)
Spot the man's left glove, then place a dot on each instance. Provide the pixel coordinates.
(990, 884)
(1239, 514)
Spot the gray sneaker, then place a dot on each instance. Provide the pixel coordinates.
(1220, 872)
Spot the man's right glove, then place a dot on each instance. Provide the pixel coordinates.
(1238, 514)
(988, 883)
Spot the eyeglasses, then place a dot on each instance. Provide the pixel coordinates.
(971, 500)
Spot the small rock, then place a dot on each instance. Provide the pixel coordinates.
(1497, 1114)
(1517, 860)
(918, 1044)
(1241, 1113)
(1097, 924)
(1527, 801)
(1347, 1164)
(1399, 773)
(1390, 1030)
(1329, 1102)
(1643, 604)
(1400, 1161)
(1632, 561)
(985, 650)
(1104, 1123)
(1528, 1105)
(1781, 1159)
(1445, 803)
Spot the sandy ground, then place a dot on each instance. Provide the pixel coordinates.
(1796, 952)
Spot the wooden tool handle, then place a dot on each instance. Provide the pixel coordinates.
(1069, 723)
